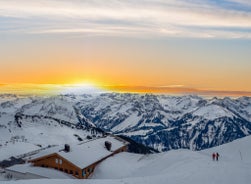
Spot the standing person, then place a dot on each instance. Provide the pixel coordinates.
(217, 156)
(213, 156)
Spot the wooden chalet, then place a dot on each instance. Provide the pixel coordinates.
(80, 160)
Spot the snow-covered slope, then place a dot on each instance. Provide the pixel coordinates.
(183, 166)
(31, 123)
(175, 167)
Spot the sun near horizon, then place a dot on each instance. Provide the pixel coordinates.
(92, 88)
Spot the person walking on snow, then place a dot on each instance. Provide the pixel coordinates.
(213, 156)
(217, 155)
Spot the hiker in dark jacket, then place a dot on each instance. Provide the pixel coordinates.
(217, 155)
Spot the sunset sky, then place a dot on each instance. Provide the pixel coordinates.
(128, 45)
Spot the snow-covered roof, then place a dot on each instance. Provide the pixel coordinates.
(87, 153)
(40, 171)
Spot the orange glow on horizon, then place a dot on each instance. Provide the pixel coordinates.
(54, 89)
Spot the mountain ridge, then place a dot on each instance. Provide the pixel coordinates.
(159, 121)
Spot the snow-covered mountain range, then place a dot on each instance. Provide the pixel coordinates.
(159, 121)
(170, 122)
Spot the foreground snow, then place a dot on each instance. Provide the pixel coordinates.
(183, 166)
(175, 167)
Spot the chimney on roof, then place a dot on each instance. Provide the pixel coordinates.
(67, 148)
(108, 145)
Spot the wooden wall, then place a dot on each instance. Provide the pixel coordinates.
(57, 162)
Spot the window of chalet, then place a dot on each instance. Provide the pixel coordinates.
(89, 170)
(83, 173)
(76, 173)
(56, 160)
(60, 161)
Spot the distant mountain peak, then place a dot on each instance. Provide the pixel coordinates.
(212, 111)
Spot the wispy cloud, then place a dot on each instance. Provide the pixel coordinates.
(191, 18)
(243, 2)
